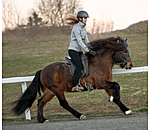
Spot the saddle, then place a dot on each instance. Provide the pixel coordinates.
(84, 72)
(72, 67)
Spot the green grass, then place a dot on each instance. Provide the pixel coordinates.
(26, 57)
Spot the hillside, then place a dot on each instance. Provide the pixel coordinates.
(33, 33)
(45, 32)
(26, 53)
(139, 27)
(136, 28)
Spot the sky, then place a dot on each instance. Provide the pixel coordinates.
(122, 12)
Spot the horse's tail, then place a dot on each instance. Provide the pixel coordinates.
(29, 95)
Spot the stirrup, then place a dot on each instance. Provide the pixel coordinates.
(77, 89)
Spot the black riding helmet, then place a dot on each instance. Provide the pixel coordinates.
(82, 14)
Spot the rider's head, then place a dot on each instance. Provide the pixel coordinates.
(82, 16)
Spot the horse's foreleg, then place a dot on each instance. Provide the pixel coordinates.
(64, 104)
(48, 95)
(114, 93)
(124, 109)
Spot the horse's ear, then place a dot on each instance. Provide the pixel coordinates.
(126, 40)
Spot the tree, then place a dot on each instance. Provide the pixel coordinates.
(54, 11)
(30, 21)
(11, 14)
(34, 19)
(7, 12)
(100, 26)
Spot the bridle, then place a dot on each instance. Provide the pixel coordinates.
(124, 63)
(104, 60)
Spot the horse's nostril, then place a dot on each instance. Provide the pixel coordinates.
(131, 65)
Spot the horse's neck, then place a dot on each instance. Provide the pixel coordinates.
(101, 67)
(106, 54)
(103, 60)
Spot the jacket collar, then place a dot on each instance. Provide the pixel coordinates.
(82, 24)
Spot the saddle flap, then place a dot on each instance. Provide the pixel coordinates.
(85, 69)
(69, 62)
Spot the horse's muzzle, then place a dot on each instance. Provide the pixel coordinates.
(128, 65)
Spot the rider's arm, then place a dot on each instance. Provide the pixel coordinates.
(79, 39)
(86, 40)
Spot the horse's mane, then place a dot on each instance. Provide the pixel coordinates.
(117, 44)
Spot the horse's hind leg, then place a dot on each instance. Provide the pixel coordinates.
(48, 95)
(61, 97)
(114, 93)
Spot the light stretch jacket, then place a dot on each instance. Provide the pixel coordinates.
(78, 34)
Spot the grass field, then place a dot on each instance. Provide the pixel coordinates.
(26, 57)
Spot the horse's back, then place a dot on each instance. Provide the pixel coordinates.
(51, 70)
(55, 75)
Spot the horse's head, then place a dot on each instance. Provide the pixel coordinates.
(122, 58)
(118, 46)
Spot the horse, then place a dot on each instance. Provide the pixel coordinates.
(54, 79)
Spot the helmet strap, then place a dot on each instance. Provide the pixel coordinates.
(81, 19)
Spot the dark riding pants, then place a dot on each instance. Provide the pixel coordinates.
(75, 57)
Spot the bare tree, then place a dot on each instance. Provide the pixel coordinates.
(54, 11)
(11, 14)
(93, 27)
(100, 26)
(7, 11)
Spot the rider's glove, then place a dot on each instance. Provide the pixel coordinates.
(92, 52)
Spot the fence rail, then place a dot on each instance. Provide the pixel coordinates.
(23, 80)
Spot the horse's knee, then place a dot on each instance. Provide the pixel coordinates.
(117, 86)
(115, 95)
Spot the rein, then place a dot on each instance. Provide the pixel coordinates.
(124, 62)
(104, 60)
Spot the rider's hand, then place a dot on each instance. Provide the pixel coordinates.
(92, 52)
(89, 46)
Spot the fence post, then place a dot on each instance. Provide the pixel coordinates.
(27, 111)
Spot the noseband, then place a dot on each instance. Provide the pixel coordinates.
(124, 63)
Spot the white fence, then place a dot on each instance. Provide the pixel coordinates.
(23, 80)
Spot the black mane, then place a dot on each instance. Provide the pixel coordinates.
(117, 44)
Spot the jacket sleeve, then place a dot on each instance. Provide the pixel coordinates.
(86, 39)
(79, 39)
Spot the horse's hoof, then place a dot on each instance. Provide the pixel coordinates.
(129, 112)
(46, 121)
(82, 117)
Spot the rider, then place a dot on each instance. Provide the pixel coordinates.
(78, 34)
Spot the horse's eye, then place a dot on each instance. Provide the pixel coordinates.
(125, 52)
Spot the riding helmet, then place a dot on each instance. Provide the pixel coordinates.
(82, 14)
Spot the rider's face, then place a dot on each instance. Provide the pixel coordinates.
(84, 20)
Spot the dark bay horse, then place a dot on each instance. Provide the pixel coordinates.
(54, 79)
